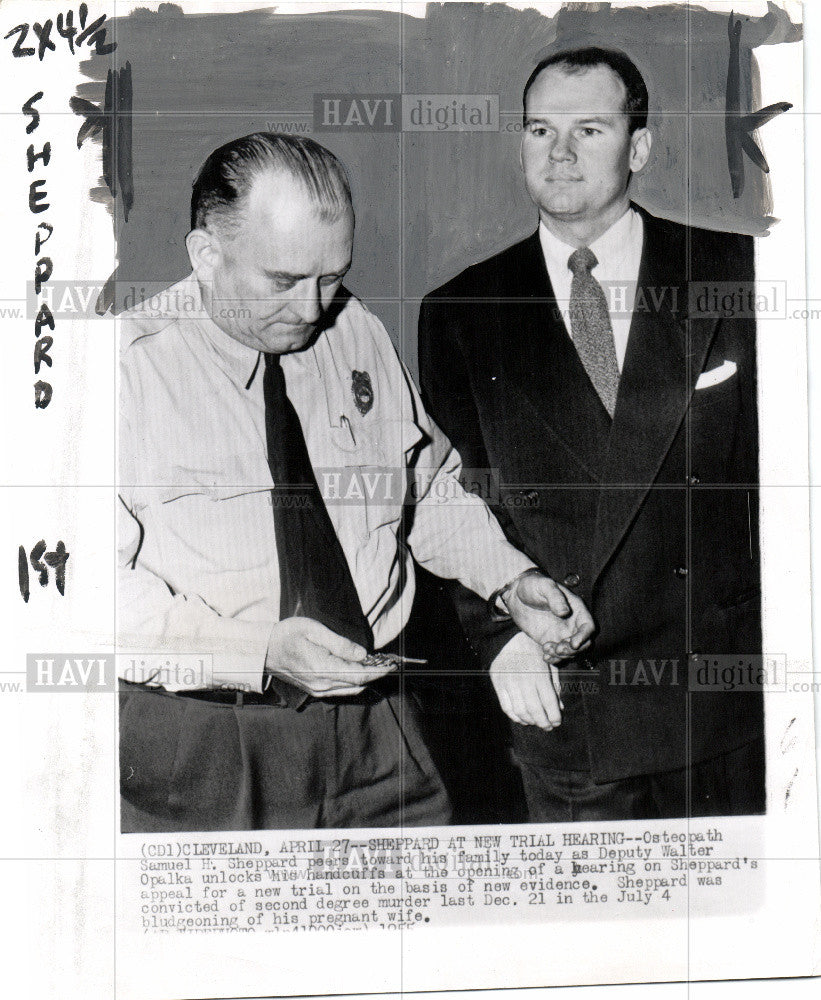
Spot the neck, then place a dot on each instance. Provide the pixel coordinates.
(582, 232)
(208, 305)
(205, 295)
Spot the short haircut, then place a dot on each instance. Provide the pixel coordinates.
(224, 181)
(580, 60)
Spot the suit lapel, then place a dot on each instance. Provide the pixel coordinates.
(539, 356)
(666, 351)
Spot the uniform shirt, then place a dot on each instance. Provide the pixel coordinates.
(618, 252)
(198, 561)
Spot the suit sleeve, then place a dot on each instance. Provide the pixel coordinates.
(744, 468)
(447, 396)
(746, 462)
(746, 444)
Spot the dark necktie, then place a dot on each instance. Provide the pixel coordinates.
(315, 578)
(590, 325)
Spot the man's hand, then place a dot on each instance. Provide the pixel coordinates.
(526, 686)
(552, 615)
(317, 660)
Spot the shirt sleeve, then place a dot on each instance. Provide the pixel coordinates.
(455, 535)
(177, 640)
(173, 639)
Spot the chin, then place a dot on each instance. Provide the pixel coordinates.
(287, 341)
(561, 206)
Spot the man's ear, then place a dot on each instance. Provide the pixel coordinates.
(641, 142)
(204, 252)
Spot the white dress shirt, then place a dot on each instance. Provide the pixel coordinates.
(618, 252)
(198, 561)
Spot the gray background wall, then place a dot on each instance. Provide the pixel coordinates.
(428, 204)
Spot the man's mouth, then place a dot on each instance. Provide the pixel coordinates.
(290, 328)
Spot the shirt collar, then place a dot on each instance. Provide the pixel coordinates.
(242, 362)
(610, 246)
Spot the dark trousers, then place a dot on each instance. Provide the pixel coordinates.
(201, 761)
(731, 784)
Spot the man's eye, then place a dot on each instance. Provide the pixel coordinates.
(282, 284)
(535, 129)
(588, 131)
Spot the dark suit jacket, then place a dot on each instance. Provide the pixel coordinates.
(651, 517)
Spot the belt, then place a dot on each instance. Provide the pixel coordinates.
(278, 693)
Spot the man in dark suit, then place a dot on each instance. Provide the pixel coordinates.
(619, 416)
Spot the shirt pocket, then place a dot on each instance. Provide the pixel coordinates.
(370, 482)
(205, 536)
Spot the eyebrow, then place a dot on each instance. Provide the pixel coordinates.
(290, 276)
(284, 275)
(591, 120)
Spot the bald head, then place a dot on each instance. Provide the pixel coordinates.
(221, 191)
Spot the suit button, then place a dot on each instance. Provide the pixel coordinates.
(572, 580)
(681, 571)
(693, 480)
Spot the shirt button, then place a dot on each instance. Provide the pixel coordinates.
(681, 571)
(572, 580)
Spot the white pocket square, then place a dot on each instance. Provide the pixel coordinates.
(717, 375)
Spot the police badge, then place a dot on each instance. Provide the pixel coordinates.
(362, 391)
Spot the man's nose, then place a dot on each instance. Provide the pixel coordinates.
(562, 149)
(307, 303)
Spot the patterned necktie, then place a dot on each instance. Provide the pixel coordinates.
(315, 579)
(590, 325)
